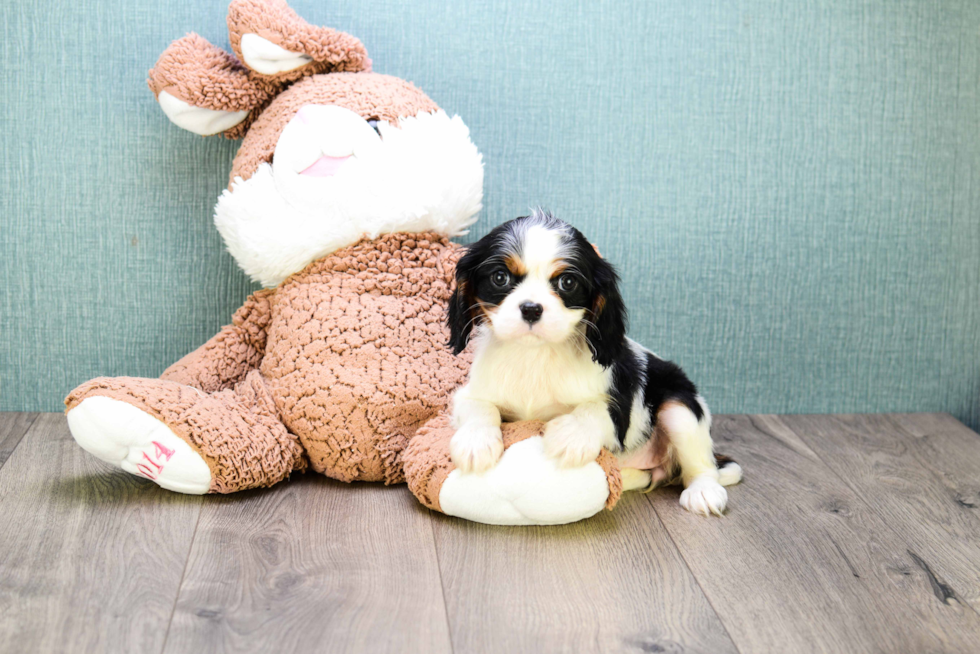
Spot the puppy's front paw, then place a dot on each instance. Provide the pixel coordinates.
(475, 447)
(569, 442)
(705, 496)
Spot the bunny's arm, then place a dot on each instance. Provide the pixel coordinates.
(231, 353)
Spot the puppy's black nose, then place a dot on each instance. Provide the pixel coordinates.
(531, 312)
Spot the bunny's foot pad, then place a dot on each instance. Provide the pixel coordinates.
(121, 434)
(525, 487)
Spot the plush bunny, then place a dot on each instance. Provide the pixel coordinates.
(342, 198)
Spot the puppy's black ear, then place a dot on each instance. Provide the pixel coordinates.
(607, 333)
(462, 304)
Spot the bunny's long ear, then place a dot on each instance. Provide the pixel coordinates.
(273, 41)
(204, 89)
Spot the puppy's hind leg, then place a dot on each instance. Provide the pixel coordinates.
(690, 440)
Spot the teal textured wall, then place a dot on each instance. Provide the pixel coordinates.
(789, 188)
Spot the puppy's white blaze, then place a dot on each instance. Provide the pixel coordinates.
(542, 250)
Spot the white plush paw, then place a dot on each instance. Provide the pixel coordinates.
(569, 442)
(526, 488)
(120, 434)
(198, 120)
(476, 447)
(704, 496)
(264, 56)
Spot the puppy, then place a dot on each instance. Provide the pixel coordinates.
(549, 327)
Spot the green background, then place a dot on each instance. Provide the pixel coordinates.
(789, 188)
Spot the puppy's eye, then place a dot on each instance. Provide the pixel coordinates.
(567, 283)
(374, 125)
(500, 278)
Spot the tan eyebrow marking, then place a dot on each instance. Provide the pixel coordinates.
(558, 268)
(515, 265)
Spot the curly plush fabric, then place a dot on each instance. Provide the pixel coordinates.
(344, 361)
(613, 475)
(196, 72)
(204, 75)
(236, 431)
(273, 20)
(232, 353)
(357, 346)
(427, 462)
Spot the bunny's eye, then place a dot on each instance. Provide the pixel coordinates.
(374, 125)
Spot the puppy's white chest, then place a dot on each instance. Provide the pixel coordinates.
(536, 382)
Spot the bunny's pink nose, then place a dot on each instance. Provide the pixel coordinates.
(325, 166)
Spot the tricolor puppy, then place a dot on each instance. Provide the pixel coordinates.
(550, 331)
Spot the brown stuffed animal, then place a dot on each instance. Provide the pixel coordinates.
(342, 198)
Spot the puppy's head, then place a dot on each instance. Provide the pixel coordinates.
(537, 279)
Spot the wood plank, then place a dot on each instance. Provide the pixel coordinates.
(613, 583)
(802, 564)
(920, 472)
(13, 426)
(90, 558)
(312, 565)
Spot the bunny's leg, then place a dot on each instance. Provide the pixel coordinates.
(183, 439)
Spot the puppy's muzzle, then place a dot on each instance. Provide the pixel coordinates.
(531, 312)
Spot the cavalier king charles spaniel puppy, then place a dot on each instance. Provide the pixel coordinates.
(549, 327)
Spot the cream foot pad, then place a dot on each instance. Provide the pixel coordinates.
(526, 488)
(123, 435)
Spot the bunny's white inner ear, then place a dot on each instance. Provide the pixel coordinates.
(264, 56)
(197, 119)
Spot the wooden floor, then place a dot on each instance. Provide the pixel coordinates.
(849, 534)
